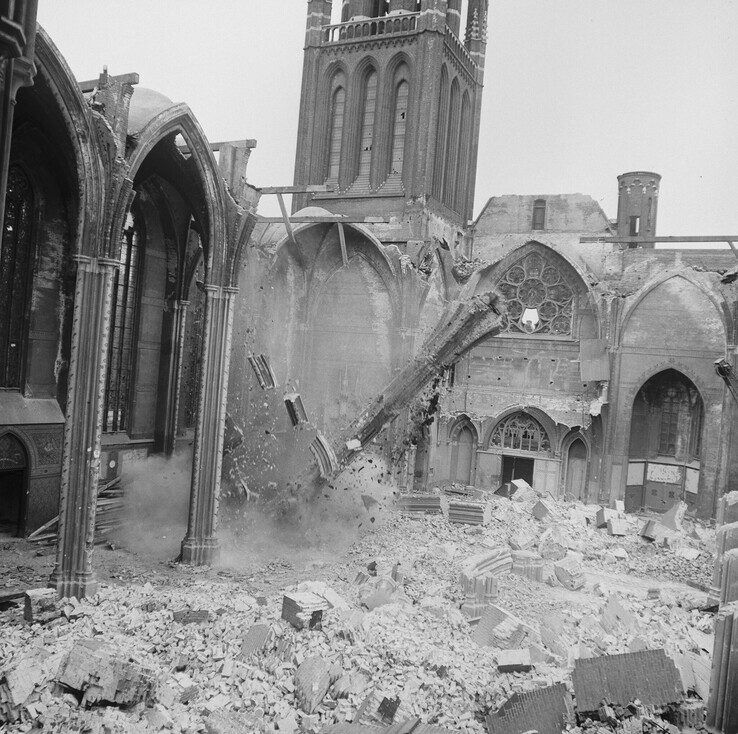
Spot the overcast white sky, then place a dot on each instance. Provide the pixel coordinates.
(577, 91)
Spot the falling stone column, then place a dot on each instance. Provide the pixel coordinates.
(200, 546)
(73, 574)
(722, 706)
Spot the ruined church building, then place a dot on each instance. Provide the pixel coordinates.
(137, 280)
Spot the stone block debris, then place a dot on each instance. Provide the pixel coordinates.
(40, 606)
(500, 629)
(649, 676)
(552, 544)
(617, 526)
(514, 661)
(522, 491)
(312, 681)
(604, 514)
(569, 573)
(545, 710)
(191, 616)
(722, 705)
(303, 609)
(614, 614)
(468, 513)
(494, 561)
(528, 564)
(654, 531)
(428, 504)
(102, 674)
(479, 592)
(255, 641)
(542, 510)
(673, 518)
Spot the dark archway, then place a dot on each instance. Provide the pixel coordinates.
(664, 455)
(13, 485)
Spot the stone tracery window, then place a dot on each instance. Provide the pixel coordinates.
(16, 271)
(539, 300)
(521, 432)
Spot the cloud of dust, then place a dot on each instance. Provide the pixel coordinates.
(309, 527)
(156, 500)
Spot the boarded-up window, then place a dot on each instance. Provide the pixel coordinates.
(399, 127)
(539, 214)
(338, 110)
(367, 123)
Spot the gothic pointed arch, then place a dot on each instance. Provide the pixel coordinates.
(179, 120)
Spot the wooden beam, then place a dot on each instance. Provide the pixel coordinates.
(649, 240)
(286, 220)
(215, 147)
(310, 189)
(323, 219)
(342, 238)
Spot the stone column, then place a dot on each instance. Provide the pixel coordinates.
(729, 577)
(73, 574)
(726, 539)
(174, 377)
(200, 546)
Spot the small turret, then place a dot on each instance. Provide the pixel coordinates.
(638, 195)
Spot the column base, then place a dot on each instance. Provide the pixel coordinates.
(200, 551)
(79, 585)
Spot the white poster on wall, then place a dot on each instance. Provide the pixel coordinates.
(636, 470)
(692, 480)
(664, 473)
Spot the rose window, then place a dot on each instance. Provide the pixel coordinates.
(539, 300)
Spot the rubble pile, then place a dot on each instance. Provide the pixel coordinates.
(452, 626)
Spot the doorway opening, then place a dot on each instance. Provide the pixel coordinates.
(517, 467)
(13, 465)
(576, 470)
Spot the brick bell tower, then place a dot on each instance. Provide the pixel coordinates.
(390, 107)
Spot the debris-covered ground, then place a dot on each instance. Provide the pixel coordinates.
(164, 647)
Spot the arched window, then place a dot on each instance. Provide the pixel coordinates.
(539, 214)
(335, 134)
(520, 432)
(121, 341)
(439, 164)
(16, 277)
(402, 92)
(539, 299)
(452, 145)
(369, 108)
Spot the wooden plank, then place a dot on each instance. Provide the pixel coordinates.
(310, 189)
(342, 237)
(649, 240)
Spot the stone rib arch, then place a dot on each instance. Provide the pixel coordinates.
(81, 134)
(180, 120)
(664, 280)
